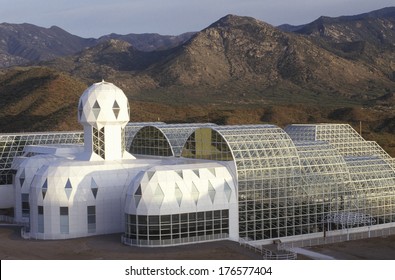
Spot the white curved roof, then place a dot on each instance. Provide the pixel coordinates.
(102, 104)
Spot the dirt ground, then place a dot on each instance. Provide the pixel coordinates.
(379, 248)
(12, 246)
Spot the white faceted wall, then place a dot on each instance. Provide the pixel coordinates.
(166, 190)
(103, 104)
(103, 110)
(77, 185)
(23, 179)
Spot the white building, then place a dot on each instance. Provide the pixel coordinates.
(166, 184)
(67, 191)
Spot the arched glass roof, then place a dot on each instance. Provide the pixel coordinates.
(290, 187)
(374, 181)
(12, 145)
(370, 168)
(269, 176)
(342, 136)
(132, 128)
(289, 182)
(162, 139)
(326, 178)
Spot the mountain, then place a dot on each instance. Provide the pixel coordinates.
(368, 37)
(25, 43)
(113, 60)
(242, 48)
(150, 41)
(290, 28)
(376, 27)
(237, 70)
(38, 99)
(245, 57)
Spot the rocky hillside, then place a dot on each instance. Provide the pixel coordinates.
(150, 41)
(38, 99)
(376, 27)
(250, 51)
(238, 58)
(42, 99)
(368, 37)
(237, 70)
(26, 43)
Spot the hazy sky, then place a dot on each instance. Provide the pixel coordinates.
(94, 18)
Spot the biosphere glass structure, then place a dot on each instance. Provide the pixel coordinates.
(168, 184)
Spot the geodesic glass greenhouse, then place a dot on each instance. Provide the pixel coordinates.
(305, 179)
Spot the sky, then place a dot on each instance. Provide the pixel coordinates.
(95, 18)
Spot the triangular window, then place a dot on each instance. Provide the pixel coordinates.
(137, 196)
(94, 192)
(178, 194)
(159, 195)
(68, 188)
(150, 174)
(44, 188)
(116, 109)
(211, 191)
(94, 188)
(80, 110)
(196, 172)
(212, 170)
(96, 109)
(195, 193)
(228, 191)
(45, 185)
(138, 191)
(22, 178)
(68, 185)
(179, 172)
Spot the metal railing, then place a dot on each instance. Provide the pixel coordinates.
(6, 219)
(171, 242)
(348, 236)
(269, 254)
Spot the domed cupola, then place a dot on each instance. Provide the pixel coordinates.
(103, 110)
(103, 104)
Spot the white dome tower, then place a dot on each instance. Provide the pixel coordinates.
(104, 111)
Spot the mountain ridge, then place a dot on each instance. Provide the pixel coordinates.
(23, 44)
(237, 70)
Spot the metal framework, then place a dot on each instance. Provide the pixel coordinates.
(12, 145)
(327, 183)
(269, 177)
(374, 181)
(132, 128)
(341, 136)
(161, 139)
(301, 180)
(303, 185)
(370, 168)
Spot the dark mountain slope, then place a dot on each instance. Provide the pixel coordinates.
(237, 70)
(38, 99)
(376, 27)
(22, 43)
(27, 43)
(252, 53)
(369, 38)
(150, 41)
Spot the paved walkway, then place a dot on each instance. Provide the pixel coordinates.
(311, 254)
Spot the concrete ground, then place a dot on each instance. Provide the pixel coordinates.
(12, 246)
